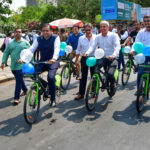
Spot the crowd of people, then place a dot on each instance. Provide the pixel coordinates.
(47, 44)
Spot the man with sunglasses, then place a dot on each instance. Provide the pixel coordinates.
(84, 44)
(143, 36)
(49, 46)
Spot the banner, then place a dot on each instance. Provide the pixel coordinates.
(144, 12)
(109, 9)
(120, 10)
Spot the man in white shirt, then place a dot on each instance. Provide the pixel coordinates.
(95, 30)
(84, 44)
(143, 36)
(110, 43)
(49, 47)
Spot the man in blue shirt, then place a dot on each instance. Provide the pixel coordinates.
(73, 41)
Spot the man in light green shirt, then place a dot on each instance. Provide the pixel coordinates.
(14, 48)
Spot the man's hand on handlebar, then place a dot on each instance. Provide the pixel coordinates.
(111, 57)
(52, 61)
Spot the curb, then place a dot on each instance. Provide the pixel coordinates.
(4, 79)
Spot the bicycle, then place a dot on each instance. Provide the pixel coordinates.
(127, 69)
(143, 90)
(99, 81)
(68, 69)
(37, 89)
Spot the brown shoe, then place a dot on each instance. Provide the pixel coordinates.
(23, 94)
(79, 97)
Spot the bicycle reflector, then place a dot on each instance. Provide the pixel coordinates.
(28, 68)
(91, 61)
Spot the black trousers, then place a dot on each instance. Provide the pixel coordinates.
(109, 67)
(84, 74)
(52, 69)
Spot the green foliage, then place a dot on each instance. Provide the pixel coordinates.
(4, 9)
(143, 3)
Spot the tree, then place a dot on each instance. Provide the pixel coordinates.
(143, 3)
(4, 9)
(85, 10)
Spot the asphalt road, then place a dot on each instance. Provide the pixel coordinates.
(113, 125)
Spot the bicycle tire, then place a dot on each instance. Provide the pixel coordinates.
(31, 118)
(91, 93)
(63, 76)
(109, 91)
(126, 73)
(141, 97)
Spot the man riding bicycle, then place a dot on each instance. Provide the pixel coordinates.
(110, 43)
(49, 46)
(143, 36)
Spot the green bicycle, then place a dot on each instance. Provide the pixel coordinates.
(66, 72)
(127, 69)
(37, 89)
(143, 90)
(98, 81)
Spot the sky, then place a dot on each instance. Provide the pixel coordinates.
(17, 3)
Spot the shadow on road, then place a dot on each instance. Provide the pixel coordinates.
(14, 126)
(76, 111)
(6, 103)
(130, 115)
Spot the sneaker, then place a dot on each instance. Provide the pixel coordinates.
(78, 77)
(52, 103)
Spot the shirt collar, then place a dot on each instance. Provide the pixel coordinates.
(84, 36)
(19, 41)
(145, 30)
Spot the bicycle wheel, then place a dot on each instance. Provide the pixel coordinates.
(141, 96)
(126, 73)
(65, 77)
(31, 105)
(92, 93)
(111, 92)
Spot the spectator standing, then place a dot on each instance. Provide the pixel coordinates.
(95, 30)
(123, 34)
(14, 48)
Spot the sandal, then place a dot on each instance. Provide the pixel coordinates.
(23, 94)
(16, 102)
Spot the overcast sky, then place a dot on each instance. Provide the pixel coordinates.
(17, 3)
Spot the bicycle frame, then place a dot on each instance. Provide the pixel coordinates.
(146, 75)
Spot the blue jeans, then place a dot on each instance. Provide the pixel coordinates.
(141, 71)
(19, 83)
